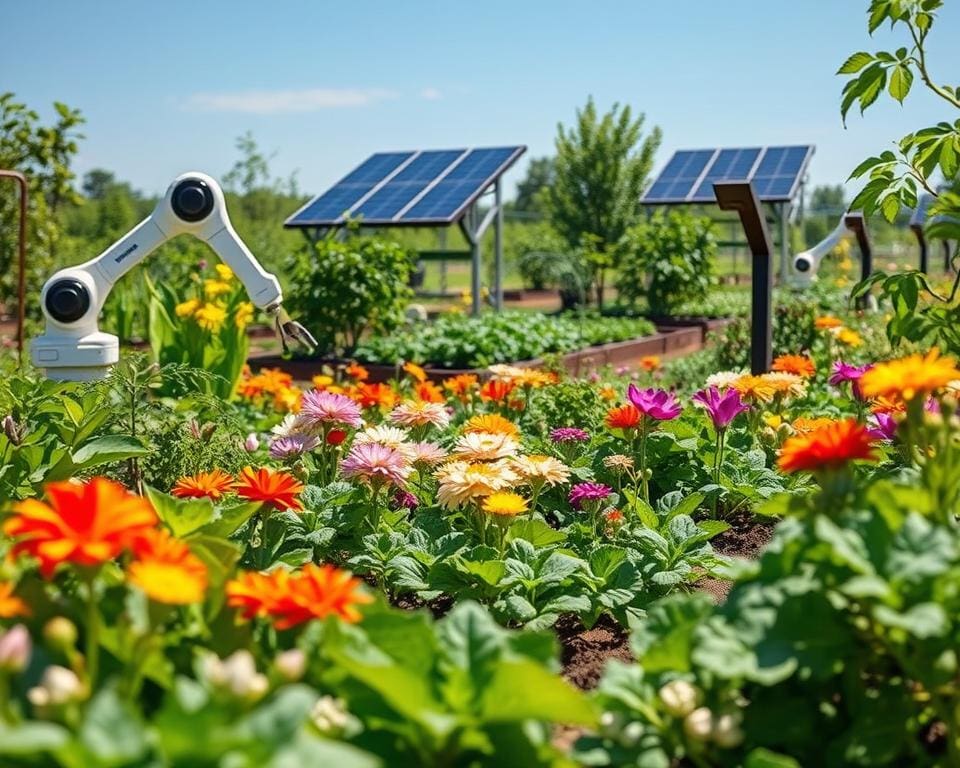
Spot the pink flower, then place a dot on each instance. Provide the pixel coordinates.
(15, 648)
(252, 442)
(844, 373)
(376, 464)
(569, 435)
(723, 407)
(319, 409)
(582, 492)
(883, 426)
(292, 446)
(656, 403)
(404, 500)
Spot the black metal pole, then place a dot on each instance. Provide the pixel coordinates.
(922, 242)
(857, 224)
(740, 196)
(947, 266)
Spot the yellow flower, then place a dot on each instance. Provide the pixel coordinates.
(322, 381)
(541, 469)
(244, 315)
(505, 504)
(187, 308)
(491, 423)
(484, 446)
(772, 420)
(461, 482)
(213, 288)
(849, 337)
(211, 317)
(909, 377)
(786, 384)
(225, 273)
(754, 388)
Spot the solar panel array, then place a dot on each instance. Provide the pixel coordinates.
(689, 176)
(414, 188)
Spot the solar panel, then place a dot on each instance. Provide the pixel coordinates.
(426, 187)
(689, 176)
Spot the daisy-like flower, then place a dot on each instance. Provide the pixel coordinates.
(653, 403)
(504, 504)
(650, 363)
(799, 365)
(492, 423)
(887, 405)
(461, 482)
(755, 388)
(166, 570)
(910, 377)
(86, 524)
(320, 409)
(785, 384)
(289, 426)
(186, 308)
(357, 372)
(11, 606)
(290, 599)
(377, 395)
(210, 317)
(844, 373)
(723, 379)
(376, 465)
(882, 426)
(273, 487)
(588, 492)
(827, 322)
(426, 454)
(383, 434)
(848, 336)
(569, 435)
(618, 463)
(428, 392)
(543, 470)
(461, 386)
(415, 371)
(292, 446)
(419, 413)
(496, 390)
(212, 485)
(243, 315)
(213, 288)
(804, 424)
(484, 446)
(829, 447)
(623, 417)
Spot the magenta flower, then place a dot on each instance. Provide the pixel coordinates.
(582, 492)
(723, 407)
(292, 446)
(404, 500)
(882, 426)
(376, 464)
(569, 435)
(654, 403)
(324, 408)
(845, 373)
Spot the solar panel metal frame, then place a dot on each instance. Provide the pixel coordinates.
(516, 151)
(691, 199)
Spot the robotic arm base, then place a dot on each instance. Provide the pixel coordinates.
(87, 358)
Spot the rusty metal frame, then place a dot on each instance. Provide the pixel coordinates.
(21, 180)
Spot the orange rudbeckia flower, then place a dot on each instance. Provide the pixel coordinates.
(212, 485)
(274, 487)
(416, 371)
(11, 606)
(289, 599)
(799, 365)
(372, 395)
(84, 524)
(827, 447)
(166, 570)
(623, 417)
(460, 385)
(496, 390)
(910, 377)
(357, 372)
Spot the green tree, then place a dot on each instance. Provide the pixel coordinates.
(534, 186)
(602, 165)
(826, 205)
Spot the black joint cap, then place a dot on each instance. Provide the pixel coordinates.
(67, 300)
(192, 200)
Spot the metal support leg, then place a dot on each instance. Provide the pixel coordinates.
(740, 197)
(498, 249)
(922, 242)
(857, 224)
(475, 276)
(784, 243)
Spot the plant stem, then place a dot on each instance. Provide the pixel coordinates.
(92, 639)
(643, 461)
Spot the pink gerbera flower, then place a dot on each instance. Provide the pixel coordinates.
(591, 492)
(321, 409)
(569, 435)
(292, 446)
(376, 465)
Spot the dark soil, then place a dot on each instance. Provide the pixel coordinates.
(745, 538)
(586, 651)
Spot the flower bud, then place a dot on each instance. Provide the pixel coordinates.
(698, 725)
(726, 731)
(291, 664)
(680, 697)
(329, 715)
(60, 633)
(236, 675)
(631, 734)
(12, 430)
(59, 685)
(252, 443)
(15, 647)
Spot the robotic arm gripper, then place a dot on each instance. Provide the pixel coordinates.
(74, 349)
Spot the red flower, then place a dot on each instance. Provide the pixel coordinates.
(276, 488)
(336, 436)
(623, 417)
(827, 447)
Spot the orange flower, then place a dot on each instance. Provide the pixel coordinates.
(623, 417)
(888, 405)
(496, 390)
(827, 322)
(828, 447)
(650, 363)
(287, 399)
(799, 365)
(492, 423)
(461, 385)
(357, 371)
(276, 488)
(755, 388)
(909, 377)
(166, 570)
(212, 485)
(321, 381)
(805, 424)
(11, 606)
(428, 392)
(289, 599)
(373, 395)
(416, 371)
(607, 393)
(85, 524)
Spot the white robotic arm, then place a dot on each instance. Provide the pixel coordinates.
(806, 263)
(73, 347)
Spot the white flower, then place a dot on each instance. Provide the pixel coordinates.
(723, 379)
(679, 697)
(291, 664)
(392, 437)
(698, 725)
(236, 674)
(289, 426)
(726, 731)
(329, 715)
(59, 685)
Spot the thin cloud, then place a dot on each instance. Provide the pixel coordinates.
(431, 94)
(305, 100)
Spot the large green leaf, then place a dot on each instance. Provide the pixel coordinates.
(524, 690)
(182, 516)
(537, 532)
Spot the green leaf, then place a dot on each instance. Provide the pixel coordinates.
(524, 690)
(31, 739)
(537, 532)
(901, 78)
(107, 449)
(855, 63)
(764, 758)
(182, 516)
(112, 731)
(229, 519)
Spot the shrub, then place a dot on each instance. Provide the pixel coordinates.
(668, 260)
(342, 289)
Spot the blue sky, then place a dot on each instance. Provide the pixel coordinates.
(167, 87)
